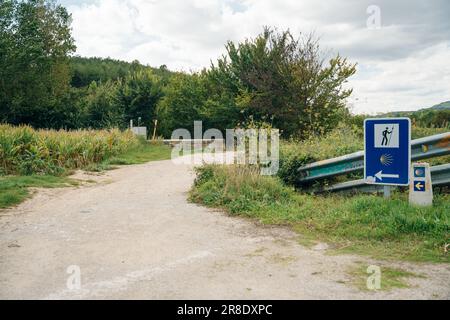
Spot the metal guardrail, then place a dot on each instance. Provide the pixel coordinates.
(440, 175)
(424, 148)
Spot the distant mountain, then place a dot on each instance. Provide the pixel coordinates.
(441, 106)
(437, 116)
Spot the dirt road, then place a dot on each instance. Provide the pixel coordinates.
(133, 235)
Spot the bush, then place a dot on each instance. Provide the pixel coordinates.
(237, 188)
(420, 132)
(294, 154)
(364, 222)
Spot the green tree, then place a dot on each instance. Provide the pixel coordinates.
(182, 104)
(284, 81)
(194, 97)
(100, 106)
(34, 72)
(138, 95)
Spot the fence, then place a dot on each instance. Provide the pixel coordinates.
(424, 148)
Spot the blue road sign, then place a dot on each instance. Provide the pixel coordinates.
(387, 157)
(419, 186)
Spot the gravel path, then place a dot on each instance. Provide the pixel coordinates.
(134, 235)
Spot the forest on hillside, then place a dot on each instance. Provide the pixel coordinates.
(276, 79)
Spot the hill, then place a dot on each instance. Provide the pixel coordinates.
(87, 70)
(437, 116)
(441, 106)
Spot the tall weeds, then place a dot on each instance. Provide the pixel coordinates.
(26, 151)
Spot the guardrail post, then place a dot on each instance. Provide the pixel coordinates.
(387, 192)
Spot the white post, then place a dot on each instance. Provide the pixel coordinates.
(421, 187)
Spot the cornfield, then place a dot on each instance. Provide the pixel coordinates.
(25, 151)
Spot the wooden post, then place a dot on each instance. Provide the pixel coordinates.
(154, 129)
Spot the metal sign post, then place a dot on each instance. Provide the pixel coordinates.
(387, 152)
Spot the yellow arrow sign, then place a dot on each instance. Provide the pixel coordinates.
(419, 185)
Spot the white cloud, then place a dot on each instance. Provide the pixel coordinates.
(403, 65)
(405, 84)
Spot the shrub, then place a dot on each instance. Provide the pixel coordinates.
(294, 154)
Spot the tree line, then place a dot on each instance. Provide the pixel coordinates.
(275, 79)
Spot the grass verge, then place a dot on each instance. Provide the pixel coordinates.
(363, 224)
(144, 152)
(15, 189)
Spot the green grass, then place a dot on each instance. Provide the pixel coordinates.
(391, 278)
(145, 152)
(363, 224)
(15, 189)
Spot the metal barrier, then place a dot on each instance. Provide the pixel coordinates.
(203, 142)
(440, 175)
(424, 148)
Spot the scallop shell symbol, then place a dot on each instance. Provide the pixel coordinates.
(386, 159)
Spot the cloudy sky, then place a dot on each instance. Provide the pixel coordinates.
(402, 47)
